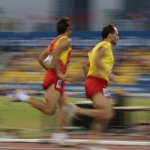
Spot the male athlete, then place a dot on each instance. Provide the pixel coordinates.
(59, 50)
(98, 71)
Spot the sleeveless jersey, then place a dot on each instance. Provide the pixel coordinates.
(107, 61)
(64, 56)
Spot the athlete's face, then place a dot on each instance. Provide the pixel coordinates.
(69, 30)
(114, 37)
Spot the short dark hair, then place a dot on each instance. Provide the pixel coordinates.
(107, 29)
(62, 25)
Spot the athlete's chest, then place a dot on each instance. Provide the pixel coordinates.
(108, 57)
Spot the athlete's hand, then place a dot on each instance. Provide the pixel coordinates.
(112, 77)
(61, 76)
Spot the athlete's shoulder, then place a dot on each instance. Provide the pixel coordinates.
(89, 53)
(66, 41)
(69, 39)
(66, 38)
(105, 44)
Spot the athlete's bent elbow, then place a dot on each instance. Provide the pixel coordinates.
(39, 60)
(83, 66)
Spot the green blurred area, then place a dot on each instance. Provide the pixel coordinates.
(32, 123)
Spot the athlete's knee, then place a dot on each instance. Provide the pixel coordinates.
(112, 114)
(109, 114)
(49, 111)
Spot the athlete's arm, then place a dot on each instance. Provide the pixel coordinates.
(85, 67)
(98, 59)
(42, 57)
(63, 45)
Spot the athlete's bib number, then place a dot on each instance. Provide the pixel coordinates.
(58, 85)
(106, 92)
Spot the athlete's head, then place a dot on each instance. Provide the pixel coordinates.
(63, 26)
(110, 33)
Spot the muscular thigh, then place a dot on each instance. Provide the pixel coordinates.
(52, 96)
(100, 102)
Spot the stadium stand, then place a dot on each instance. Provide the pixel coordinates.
(23, 67)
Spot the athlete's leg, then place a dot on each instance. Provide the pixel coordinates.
(52, 96)
(102, 108)
(98, 125)
(61, 118)
(96, 128)
(60, 134)
(102, 112)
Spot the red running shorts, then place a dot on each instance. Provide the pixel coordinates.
(95, 85)
(51, 78)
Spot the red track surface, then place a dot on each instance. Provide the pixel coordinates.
(36, 146)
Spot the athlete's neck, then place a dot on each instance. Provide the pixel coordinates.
(65, 34)
(107, 40)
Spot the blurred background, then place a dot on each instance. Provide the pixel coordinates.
(86, 15)
(28, 26)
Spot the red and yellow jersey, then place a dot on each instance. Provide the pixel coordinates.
(64, 56)
(107, 60)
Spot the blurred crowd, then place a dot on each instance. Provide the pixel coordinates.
(23, 67)
(131, 65)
